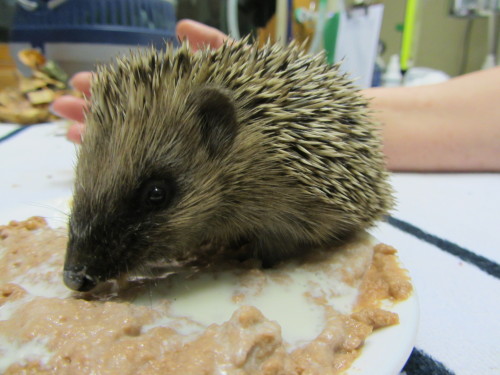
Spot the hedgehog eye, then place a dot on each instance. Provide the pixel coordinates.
(156, 193)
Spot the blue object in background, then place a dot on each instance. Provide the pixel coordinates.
(130, 22)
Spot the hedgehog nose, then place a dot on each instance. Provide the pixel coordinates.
(76, 279)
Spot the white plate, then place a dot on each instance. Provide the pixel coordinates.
(207, 301)
(386, 350)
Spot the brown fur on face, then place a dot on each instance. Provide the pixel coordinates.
(266, 145)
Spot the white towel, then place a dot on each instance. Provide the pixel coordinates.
(446, 228)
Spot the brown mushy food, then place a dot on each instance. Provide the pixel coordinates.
(47, 329)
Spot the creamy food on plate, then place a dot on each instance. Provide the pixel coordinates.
(305, 316)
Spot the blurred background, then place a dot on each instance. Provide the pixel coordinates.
(390, 42)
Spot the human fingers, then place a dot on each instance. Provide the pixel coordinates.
(75, 132)
(81, 82)
(69, 107)
(200, 35)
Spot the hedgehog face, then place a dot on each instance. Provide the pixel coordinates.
(152, 200)
(103, 244)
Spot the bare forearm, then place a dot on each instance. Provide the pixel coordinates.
(453, 126)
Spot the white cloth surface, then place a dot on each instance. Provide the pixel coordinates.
(459, 302)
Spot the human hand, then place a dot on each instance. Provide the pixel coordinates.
(200, 35)
(72, 108)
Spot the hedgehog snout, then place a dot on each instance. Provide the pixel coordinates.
(84, 267)
(76, 278)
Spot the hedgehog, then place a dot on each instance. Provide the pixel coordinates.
(266, 146)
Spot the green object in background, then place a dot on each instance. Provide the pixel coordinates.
(330, 37)
(54, 71)
(408, 43)
(6, 16)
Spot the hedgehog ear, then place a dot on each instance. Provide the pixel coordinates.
(216, 112)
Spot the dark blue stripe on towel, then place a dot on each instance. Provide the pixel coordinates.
(13, 133)
(468, 256)
(421, 363)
